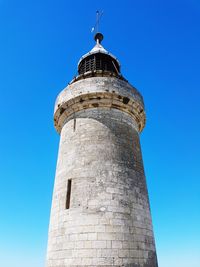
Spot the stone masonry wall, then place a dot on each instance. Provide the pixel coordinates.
(108, 222)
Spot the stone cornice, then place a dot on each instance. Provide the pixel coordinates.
(99, 92)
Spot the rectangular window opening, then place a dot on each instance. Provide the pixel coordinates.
(69, 185)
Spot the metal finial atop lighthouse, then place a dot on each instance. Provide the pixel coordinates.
(98, 36)
(100, 213)
(98, 17)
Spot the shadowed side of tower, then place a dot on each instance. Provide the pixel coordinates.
(100, 212)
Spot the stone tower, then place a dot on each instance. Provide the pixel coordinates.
(100, 213)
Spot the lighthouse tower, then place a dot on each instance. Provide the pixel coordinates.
(100, 213)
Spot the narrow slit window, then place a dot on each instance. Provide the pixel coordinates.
(69, 185)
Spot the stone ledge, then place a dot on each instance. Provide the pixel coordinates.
(99, 92)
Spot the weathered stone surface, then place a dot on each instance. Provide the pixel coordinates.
(108, 222)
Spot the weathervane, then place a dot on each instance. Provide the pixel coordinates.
(98, 17)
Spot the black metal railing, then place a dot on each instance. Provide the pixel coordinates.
(99, 62)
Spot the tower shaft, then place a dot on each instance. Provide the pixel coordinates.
(100, 212)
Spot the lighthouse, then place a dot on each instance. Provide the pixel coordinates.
(100, 214)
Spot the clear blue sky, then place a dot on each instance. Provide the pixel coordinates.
(158, 45)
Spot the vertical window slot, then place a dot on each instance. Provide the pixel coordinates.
(74, 124)
(69, 185)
